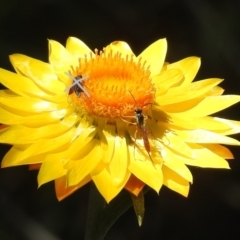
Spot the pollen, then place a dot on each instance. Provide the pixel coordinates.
(117, 85)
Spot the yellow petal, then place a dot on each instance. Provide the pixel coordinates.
(165, 80)
(79, 169)
(15, 157)
(119, 162)
(234, 126)
(203, 157)
(187, 92)
(154, 55)
(36, 120)
(56, 55)
(207, 123)
(145, 171)
(175, 182)
(30, 105)
(109, 136)
(177, 144)
(50, 170)
(189, 67)
(219, 150)
(176, 165)
(208, 106)
(204, 136)
(21, 85)
(49, 145)
(77, 48)
(105, 184)
(16, 134)
(119, 47)
(40, 72)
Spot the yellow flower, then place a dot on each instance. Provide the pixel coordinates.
(135, 120)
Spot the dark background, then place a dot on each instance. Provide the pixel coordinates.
(209, 29)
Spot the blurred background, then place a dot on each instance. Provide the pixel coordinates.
(208, 29)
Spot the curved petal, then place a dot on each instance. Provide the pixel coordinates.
(219, 150)
(207, 123)
(105, 184)
(205, 158)
(208, 106)
(14, 157)
(188, 92)
(165, 80)
(16, 134)
(189, 67)
(30, 105)
(40, 72)
(21, 85)
(36, 120)
(176, 165)
(204, 136)
(146, 172)
(79, 169)
(175, 182)
(77, 48)
(61, 60)
(50, 170)
(119, 162)
(154, 55)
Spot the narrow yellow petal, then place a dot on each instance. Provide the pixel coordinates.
(16, 157)
(36, 120)
(21, 85)
(219, 150)
(189, 67)
(154, 55)
(16, 134)
(30, 105)
(77, 48)
(78, 147)
(203, 157)
(40, 72)
(234, 126)
(204, 136)
(187, 92)
(109, 134)
(207, 123)
(79, 169)
(165, 80)
(207, 106)
(50, 170)
(105, 184)
(176, 165)
(49, 145)
(118, 164)
(57, 53)
(145, 171)
(176, 183)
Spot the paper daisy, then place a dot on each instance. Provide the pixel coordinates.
(114, 118)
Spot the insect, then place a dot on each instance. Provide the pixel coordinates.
(76, 86)
(140, 126)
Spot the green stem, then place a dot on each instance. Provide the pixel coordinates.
(95, 206)
(101, 217)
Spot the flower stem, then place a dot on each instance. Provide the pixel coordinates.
(95, 206)
(101, 217)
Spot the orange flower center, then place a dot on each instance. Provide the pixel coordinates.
(116, 85)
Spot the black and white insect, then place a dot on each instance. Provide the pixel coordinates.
(76, 86)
